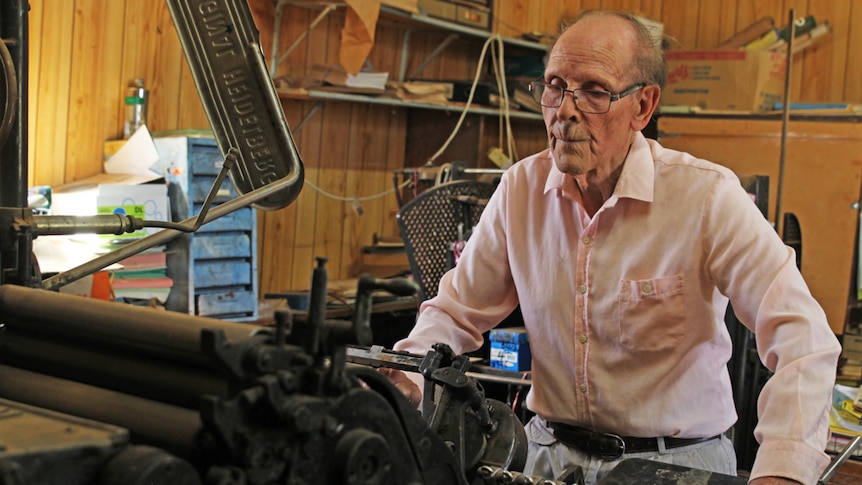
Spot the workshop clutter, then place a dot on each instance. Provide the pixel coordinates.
(845, 418)
(744, 73)
(731, 80)
(510, 349)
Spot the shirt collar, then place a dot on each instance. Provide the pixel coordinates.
(637, 179)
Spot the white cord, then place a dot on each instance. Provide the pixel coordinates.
(502, 88)
(504, 96)
(356, 199)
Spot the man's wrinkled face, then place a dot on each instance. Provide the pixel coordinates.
(595, 53)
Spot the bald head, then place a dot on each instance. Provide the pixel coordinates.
(624, 33)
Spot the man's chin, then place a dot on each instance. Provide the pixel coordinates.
(568, 162)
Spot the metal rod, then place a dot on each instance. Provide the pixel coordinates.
(839, 461)
(322, 15)
(307, 117)
(448, 40)
(513, 381)
(377, 356)
(228, 163)
(166, 235)
(405, 45)
(276, 37)
(496, 171)
(99, 224)
(785, 119)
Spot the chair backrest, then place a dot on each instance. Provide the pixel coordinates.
(747, 373)
(429, 225)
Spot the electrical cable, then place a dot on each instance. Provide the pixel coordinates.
(505, 109)
(356, 199)
(498, 64)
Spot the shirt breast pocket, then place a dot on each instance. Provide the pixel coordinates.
(652, 315)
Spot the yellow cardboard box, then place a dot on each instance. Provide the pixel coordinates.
(725, 80)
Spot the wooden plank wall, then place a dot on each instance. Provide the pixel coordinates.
(83, 52)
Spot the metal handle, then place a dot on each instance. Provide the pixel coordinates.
(839, 461)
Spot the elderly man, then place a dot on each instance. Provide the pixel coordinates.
(623, 255)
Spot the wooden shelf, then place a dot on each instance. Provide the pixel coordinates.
(410, 21)
(322, 96)
(420, 19)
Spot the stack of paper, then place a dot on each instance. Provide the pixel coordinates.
(336, 76)
(142, 277)
(844, 419)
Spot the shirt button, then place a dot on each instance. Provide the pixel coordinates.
(587, 239)
(582, 289)
(582, 339)
(647, 288)
(583, 388)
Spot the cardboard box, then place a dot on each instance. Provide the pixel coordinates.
(725, 80)
(510, 349)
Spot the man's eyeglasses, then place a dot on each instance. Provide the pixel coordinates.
(592, 101)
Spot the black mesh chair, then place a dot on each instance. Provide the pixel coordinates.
(434, 220)
(747, 374)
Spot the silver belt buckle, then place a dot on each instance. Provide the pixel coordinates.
(621, 447)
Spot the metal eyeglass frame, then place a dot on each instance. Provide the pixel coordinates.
(612, 97)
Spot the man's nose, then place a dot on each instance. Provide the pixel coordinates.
(569, 107)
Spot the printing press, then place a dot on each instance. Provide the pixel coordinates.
(96, 392)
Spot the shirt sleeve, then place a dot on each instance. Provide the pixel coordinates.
(757, 271)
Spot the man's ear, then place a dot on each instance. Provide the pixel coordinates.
(648, 99)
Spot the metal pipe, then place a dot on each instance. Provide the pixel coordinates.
(170, 335)
(171, 428)
(785, 119)
(839, 460)
(166, 235)
(276, 37)
(322, 15)
(99, 224)
(433, 55)
(405, 45)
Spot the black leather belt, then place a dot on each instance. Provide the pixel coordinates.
(611, 446)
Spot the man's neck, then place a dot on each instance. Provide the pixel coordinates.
(596, 190)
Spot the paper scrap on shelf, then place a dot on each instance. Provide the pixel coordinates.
(424, 92)
(357, 37)
(337, 76)
(136, 156)
(411, 6)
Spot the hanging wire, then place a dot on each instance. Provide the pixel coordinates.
(498, 62)
(357, 199)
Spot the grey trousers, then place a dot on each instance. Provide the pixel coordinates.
(548, 458)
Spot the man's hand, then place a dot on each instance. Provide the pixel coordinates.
(773, 481)
(403, 383)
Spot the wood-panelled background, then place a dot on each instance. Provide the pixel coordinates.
(83, 52)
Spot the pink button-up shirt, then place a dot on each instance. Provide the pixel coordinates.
(625, 310)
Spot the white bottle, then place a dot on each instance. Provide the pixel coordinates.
(136, 107)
